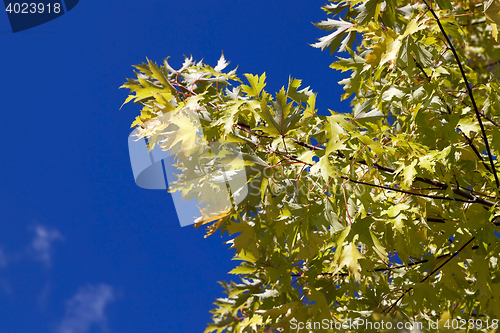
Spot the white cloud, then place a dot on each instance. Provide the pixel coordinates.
(87, 308)
(41, 246)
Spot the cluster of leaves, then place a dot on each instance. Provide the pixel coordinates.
(387, 213)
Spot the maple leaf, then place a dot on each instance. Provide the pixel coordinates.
(492, 13)
(334, 39)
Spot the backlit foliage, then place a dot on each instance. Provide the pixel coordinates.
(386, 213)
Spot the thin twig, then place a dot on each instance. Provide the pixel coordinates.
(383, 168)
(406, 192)
(475, 149)
(448, 260)
(471, 95)
(429, 275)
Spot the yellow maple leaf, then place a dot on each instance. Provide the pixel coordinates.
(492, 13)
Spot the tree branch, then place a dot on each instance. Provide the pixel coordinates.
(449, 112)
(384, 269)
(429, 275)
(407, 192)
(475, 150)
(448, 260)
(383, 168)
(443, 186)
(469, 90)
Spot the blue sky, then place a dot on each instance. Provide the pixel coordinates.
(82, 248)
